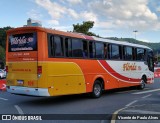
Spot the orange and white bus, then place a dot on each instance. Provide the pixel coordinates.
(46, 62)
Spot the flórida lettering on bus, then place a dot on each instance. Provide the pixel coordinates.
(130, 67)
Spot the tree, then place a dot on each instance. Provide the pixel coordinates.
(2, 54)
(3, 36)
(84, 28)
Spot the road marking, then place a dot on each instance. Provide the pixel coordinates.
(3, 99)
(18, 109)
(141, 111)
(131, 103)
(143, 92)
(147, 96)
(113, 120)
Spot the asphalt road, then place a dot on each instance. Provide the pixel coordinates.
(110, 102)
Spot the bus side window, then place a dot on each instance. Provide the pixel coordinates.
(115, 51)
(77, 47)
(85, 49)
(51, 52)
(128, 53)
(140, 54)
(58, 46)
(99, 50)
(109, 51)
(134, 53)
(105, 51)
(120, 52)
(68, 48)
(91, 49)
(145, 55)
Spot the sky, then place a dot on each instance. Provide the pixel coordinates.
(112, 18)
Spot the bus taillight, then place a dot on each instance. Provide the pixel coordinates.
(39, 70)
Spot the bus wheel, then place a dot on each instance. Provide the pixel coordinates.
(142, 85)
(97, 89)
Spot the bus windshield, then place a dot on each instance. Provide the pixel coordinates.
(23, 42)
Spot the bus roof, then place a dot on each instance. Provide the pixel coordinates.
(52, 31)
(72, 34)
(120, 42)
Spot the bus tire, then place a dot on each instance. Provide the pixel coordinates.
(142, 85)
(97, 89)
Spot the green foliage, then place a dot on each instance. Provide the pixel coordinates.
(3, 36)
(84, 28)
(2, 54)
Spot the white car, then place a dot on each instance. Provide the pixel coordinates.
(2, 74)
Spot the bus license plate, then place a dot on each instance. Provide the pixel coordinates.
(20, 82)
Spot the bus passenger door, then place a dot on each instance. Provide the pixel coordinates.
(150, 61)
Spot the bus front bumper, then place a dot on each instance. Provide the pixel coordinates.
(28, 91)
